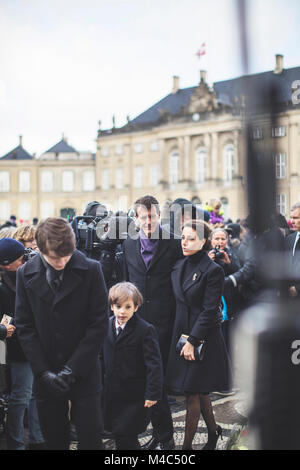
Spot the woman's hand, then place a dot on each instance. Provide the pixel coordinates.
(149, 403)
(188, 352)
(212, 255)
(225, 258)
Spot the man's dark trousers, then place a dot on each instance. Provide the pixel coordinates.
(55, 422)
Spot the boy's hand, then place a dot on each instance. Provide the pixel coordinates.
(149, 403)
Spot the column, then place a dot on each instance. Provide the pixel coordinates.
(214, 155)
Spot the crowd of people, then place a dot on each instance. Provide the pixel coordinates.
(100, 334)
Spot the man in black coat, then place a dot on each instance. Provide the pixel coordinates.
(148, 263)
(292, 247)
(20, 375)
(62, 320)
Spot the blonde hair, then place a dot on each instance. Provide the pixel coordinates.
(7, 232)
(124, 291)
(25, 233)
(215, 203)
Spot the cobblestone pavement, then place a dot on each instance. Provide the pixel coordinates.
(229, 414)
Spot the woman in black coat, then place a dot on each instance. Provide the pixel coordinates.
(198, 286)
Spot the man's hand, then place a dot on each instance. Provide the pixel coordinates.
(149, 403)
(55, 385)
(10, 330)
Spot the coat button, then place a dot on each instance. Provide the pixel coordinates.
(147, 301)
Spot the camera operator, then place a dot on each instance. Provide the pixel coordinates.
(100, 235)
(224, 257)
(12, 256)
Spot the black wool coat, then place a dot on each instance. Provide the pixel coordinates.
(14, 351)
(293, 261)
(133, 374)
(67, 328)
(155, 284)
(198, 314)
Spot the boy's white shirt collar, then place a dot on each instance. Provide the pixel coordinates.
(117, 325)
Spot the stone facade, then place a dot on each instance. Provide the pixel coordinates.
(189, 145)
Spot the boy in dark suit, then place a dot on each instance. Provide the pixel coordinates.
(133, 368)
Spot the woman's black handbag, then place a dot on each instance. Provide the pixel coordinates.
(198, 350)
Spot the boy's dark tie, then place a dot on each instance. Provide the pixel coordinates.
(119, 329)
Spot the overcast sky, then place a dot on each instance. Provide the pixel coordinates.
(66, 64)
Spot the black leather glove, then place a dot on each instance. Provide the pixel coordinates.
(67, 375)
(53, 383)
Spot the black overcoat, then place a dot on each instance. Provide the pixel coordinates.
(198, 314)
(155, 284)
(133, 374)
(14, 352)
(67, 328)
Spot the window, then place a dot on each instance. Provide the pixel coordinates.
(154, 147)
(68, 181)
(119, 150)
(105, 179)
(225, 207)
(88, 180)
(4, 181)
(280, 161)
(24, 211)
(4, 210)
(104, 151)
(47, 210)
(279, 131)
(200, 165)
(174, 167)
(122, 203)
(258, 134)
(154, 175)
(138, 148)
(281, 203)
(228, 163)
(24, 181)
(47, 181)
(138, 177)
(119, 178)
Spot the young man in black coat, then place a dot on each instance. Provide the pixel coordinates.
(62, 320)
(148, 263)
(133, 368)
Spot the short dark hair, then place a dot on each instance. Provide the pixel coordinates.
(55, 234)
(146, 201)
(202, 229)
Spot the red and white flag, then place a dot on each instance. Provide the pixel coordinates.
(201, 51)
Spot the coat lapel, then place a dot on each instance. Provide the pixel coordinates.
(177, 279)
(197, 274)
(127, 330)
(162, 247)
(35, 279)
(139, 255)
(72, 276)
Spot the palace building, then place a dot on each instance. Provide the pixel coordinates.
(189, 144)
